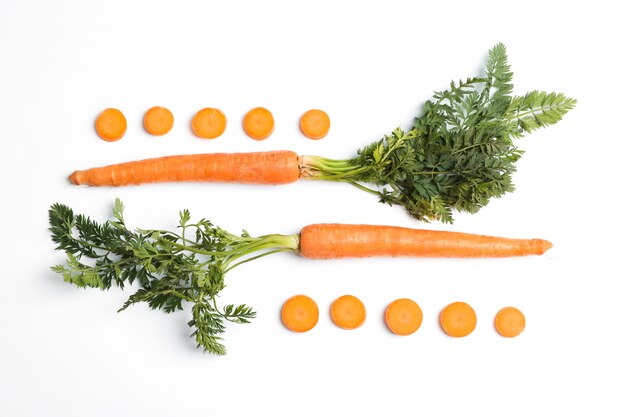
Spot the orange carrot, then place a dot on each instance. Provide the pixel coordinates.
(327, 241)
(403, 317)
(208, 123)
(315, 124)
(300, 313)
(347, 312)
(111, 125)
(458, 319)
(258, 123)
(279, 167)
(510, 322)
(158, 121)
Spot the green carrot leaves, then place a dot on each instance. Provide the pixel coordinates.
(171, 269)
(460, 152)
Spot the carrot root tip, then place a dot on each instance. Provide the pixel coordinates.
(76, 178)
(542, 246)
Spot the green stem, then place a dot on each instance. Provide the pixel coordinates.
(317, 167)
(272, 242)
(257, 257)
(364, 188)
(286, 242)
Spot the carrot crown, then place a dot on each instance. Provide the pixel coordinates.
(459, 153)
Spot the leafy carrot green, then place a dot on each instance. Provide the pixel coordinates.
(460, 152)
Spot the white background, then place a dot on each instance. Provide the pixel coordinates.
(370, 65)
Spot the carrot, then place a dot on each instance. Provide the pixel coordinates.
(158, 121)
(347, 312)
(458, 319)
(327, 241)
(403, 316)
(300, 313)
(258, 123)
(279, 167)
(510, 322)
(315, 124)
(208, 123)
(111, 125)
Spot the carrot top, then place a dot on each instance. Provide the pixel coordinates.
(111, 125)
(460, 152)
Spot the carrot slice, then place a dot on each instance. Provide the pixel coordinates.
(258, 123)
(300, 313)
(208, 123)
(158, 121)
(347, 312)
(111, 125)
(315, 124)
(458, 319)
(403, 316)
(510, 322)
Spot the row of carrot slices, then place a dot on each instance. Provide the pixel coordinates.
(403, 316)
(209, 123)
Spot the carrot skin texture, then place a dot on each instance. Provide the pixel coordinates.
(278, 167)
(329, 241)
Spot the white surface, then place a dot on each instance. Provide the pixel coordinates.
(66, 352)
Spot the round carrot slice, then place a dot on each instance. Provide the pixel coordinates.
(510, 322)
(458, 319)
(158, 121)
(208, 123)
(258, 123)
(315, 124)
(111, 125)
(403, 316)
(347, 312)
(300, 313)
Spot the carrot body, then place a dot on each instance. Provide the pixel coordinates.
(279, 167)
(327, 241)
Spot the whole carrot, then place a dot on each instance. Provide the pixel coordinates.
(458, 155)
(189, 265)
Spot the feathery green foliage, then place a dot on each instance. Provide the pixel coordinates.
(459, 153)
(170, 269)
